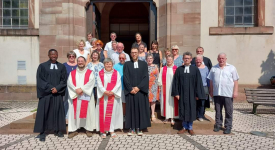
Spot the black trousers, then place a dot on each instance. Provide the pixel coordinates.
(227, 103)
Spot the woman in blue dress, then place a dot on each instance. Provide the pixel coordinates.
(70, 66)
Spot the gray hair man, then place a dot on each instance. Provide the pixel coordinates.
(187, 87)
(115, 56)
(119, 67)
(224, 87)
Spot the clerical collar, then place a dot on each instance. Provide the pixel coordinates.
(53, 66)
(135, 64)
(186, 69)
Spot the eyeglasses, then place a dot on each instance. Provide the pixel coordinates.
(121, 58)
(174, 49)
(71, 56)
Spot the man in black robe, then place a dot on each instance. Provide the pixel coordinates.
(136, 87)
(51, 84)
(187, 87)
(206, 61)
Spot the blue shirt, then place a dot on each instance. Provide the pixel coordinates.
(119, 67)
(179, 61)
(69, 68)
(204, 73)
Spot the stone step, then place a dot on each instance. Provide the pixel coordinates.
(23, 124)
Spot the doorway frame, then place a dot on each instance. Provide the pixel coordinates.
(152, 14)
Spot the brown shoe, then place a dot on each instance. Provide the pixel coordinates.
(191, 132)
(182, 131)
(72, 134)
(89, 133)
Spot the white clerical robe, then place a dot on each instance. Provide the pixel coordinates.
(170, 109)
(89, 122)
(117, 114)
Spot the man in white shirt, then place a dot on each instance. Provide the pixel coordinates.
(113, 50)
(224, 87)
(108, 45)
(88, 42)
(115, 56)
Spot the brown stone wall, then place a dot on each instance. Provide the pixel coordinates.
(179, 24)
(62, 24)
(18, 92)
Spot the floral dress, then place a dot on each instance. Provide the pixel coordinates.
(153, 83)
(95, 69)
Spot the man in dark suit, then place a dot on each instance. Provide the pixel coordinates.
(206, 61)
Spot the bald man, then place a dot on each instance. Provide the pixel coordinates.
(115, 56)
(119, 68)
(224, 87)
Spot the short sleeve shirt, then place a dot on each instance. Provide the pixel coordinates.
(85, 54)
(223, 80)
(108, 46)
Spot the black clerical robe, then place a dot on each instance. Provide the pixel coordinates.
(50, 112)
(137, 105)
(207, 62)
(188, 86)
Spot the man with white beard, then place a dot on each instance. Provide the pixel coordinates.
(81, 100)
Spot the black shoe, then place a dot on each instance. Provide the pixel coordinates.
(42, 137)
(216, 128)
(227, 131)
(58, 134)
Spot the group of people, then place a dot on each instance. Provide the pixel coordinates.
(102, 89)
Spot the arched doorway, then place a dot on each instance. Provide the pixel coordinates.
(126, 19)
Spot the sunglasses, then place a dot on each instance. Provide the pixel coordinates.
(71, 57)
(121, 58)
(174, 49)
(98, 44)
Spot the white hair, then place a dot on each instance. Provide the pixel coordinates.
(199, 56)
(222, 53)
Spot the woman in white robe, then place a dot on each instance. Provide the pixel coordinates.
(117, 113)
(170, 110)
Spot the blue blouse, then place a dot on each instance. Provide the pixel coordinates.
(95, 69)
(179, 61)
(69, 68)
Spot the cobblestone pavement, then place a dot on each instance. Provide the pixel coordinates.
(243, 123)
(11, 111)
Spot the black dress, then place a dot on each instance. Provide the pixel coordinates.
(137, 106)
(50, 112)
(188, 86)
(156, 59)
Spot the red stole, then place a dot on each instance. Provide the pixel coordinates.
(176, 103)
(106, 122)
(84, 103)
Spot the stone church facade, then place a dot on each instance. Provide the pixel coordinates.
(242, 29)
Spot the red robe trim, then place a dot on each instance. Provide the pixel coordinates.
(176, 102)
(84, 103)
(106, 122)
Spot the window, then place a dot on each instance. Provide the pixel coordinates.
(240, 13)
(14, 14)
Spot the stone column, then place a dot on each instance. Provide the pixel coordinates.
(179, 24)
(62, 24)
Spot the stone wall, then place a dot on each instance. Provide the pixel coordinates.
(179, 24)
(62, 25)
(17, 92)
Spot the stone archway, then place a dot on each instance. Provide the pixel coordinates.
(105, 8)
